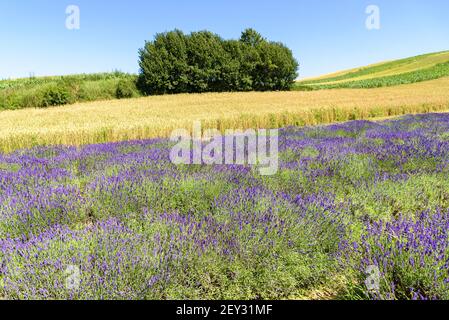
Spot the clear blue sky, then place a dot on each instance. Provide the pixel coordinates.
(325, 35)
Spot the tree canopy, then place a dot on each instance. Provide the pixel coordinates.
(202, 61)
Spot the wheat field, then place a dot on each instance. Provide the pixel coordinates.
(157, 116)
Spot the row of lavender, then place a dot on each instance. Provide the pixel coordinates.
(360, 209)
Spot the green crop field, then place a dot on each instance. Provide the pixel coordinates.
(414, 69)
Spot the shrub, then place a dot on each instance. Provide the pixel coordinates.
(125, 89)
(73, 86)
(55, 95)
(31, 100)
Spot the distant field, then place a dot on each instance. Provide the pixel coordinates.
(157, 116)
(410, 70)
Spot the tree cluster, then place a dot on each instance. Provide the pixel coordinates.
(175, 62)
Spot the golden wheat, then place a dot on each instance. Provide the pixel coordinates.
(157, 116)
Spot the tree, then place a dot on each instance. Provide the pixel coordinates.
(267, 65)
(251, 37)
(206, 60)
(163, 64)
(276, 69)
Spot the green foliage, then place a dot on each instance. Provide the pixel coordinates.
(203, 62)
(126, 89)
(12, 167)
(163, 64)
(355, 168)
(52, 91)
(388, 199)
(251, 38)
(55, 96)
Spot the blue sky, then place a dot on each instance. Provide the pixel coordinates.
(325, 35)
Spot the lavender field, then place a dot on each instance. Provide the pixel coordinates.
(358, 210)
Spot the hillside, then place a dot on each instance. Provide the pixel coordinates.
(414, 69)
